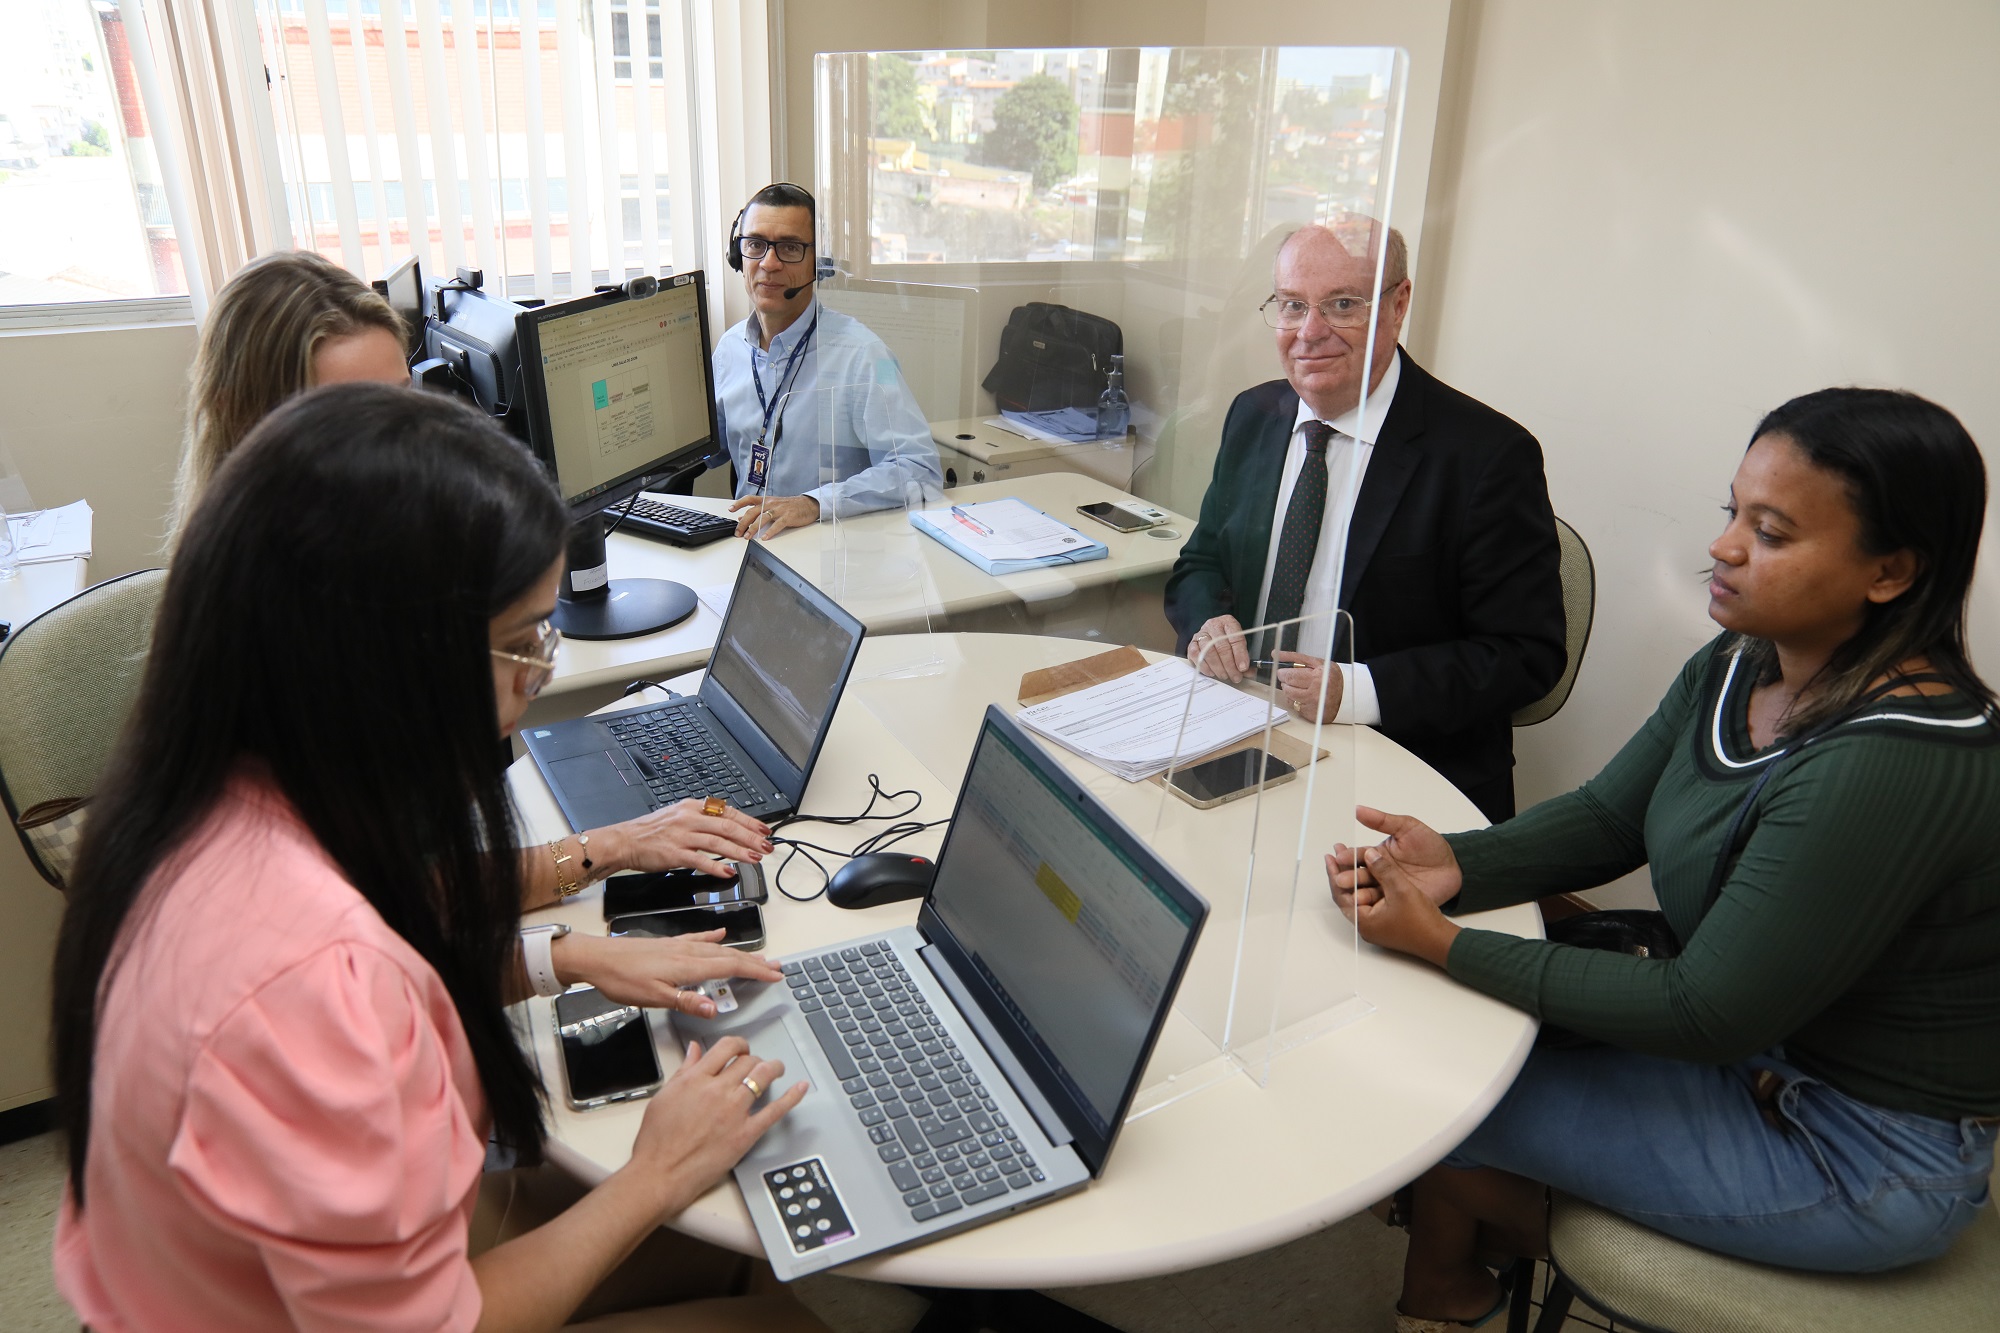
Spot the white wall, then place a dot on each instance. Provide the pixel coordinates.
(1667, 219)
(96, 414)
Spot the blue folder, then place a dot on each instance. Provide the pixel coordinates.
(1086, 548)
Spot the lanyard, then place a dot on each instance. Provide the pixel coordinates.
(785, 378)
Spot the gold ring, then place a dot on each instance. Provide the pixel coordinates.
(714, 805)
(755, 1091)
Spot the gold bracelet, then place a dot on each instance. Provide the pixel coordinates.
(565, 888)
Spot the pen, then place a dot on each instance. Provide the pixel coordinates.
(970, 522)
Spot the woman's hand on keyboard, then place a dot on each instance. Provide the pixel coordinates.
(656, 973)
(680, 836)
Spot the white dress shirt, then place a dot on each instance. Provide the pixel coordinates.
(1347, 455)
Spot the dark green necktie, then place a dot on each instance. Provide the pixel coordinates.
(1299, 538)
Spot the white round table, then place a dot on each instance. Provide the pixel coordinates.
(1344, 1119)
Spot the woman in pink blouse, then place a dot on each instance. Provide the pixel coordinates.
(280, 1039)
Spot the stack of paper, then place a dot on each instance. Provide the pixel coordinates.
(1068, 425)
(1140, 724)
(1007, 536)
(51, 534)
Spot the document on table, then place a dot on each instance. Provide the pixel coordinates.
(1007, 536)
(1067, 425)
(51, 534)
(1140, 724)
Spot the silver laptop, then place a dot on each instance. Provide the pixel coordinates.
(982, 1061)
(753, 733)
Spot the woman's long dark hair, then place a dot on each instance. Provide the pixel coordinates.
(1917, 483)
(326, 618)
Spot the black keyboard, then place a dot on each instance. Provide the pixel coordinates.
(945, 1142)
(671, 523)
(679, 758)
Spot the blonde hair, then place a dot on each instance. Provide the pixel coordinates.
(257, 351)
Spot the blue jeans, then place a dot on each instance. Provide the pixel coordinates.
(1683, 1148)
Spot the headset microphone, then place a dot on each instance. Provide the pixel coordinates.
(791, 292)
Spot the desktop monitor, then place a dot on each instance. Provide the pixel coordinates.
(403, 289)
(618, 392)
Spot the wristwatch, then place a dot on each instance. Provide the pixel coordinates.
(537, 951)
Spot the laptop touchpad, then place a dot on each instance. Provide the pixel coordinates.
(594, 780)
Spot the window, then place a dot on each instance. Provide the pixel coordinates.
(83, 215)
(507, 113)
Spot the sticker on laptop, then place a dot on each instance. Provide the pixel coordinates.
(808, 1205)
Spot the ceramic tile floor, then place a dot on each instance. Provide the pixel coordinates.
(1340, 1280)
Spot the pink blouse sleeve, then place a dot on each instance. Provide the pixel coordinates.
(323, 1127)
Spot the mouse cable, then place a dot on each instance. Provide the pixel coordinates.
(905, 827)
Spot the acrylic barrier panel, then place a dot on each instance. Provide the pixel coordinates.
(1099, 231)
(875, 469)
(1250, 821)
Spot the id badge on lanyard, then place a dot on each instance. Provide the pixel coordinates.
(774, 407)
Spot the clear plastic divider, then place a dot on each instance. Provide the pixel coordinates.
(1068, 251)
(1278, 963)
(876, 469)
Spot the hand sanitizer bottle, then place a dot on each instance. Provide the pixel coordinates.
(1114, 410)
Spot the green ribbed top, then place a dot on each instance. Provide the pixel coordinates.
(1859, 927)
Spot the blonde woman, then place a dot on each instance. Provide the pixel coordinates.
(285, 323)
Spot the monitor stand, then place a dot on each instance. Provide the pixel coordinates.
(593, 605)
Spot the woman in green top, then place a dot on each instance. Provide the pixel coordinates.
(1813, 1082)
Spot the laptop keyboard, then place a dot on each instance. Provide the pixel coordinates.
(943, 1140)
(679, 758)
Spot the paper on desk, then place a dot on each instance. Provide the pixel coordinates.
(1130, 725)
(1068, 425)
(48, 535)
(716, 597)
(1006, 536)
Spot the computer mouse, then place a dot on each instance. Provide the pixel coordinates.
(880, 877)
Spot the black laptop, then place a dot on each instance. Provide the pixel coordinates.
(751, 735)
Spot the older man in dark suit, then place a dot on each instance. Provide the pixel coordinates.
(1421, 512)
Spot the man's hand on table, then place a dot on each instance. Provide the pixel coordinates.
(1219, 649)
(764, 517)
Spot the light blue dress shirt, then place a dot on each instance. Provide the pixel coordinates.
(854, 438)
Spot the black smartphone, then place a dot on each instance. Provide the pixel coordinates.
(607, 1050)
(1118, 517)
(674, 890)
(742, 924)
(1228, 777)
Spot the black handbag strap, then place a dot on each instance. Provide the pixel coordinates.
(1729, 839)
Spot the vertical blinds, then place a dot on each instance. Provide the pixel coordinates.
(547, 142)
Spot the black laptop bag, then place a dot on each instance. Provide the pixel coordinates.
(1052, 357)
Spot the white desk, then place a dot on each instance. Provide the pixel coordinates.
(938, 585)
(33, 909)
(38, 587)
(1230, 1170)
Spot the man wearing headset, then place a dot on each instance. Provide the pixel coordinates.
(812, 405)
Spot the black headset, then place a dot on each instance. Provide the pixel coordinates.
(736, 228)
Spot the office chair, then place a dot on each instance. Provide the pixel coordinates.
(1644, 1280)
(1579, 585)
(67, 680)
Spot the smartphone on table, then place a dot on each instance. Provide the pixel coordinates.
(1227, 777)
(607, 1050)
(1124, 518)
(672, 890)
(741, 924)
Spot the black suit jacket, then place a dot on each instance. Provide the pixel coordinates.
(1453, 575)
